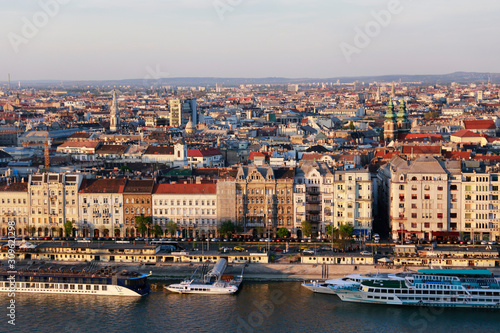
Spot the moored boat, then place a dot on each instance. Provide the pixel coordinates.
(430, 287)
(210, 283)
(122, 283)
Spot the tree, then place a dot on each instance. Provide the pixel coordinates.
(283, 233)
(157, 230)
(117, 232)
(227, 228)
(68, 228)
(332, 231)
(143, 223)
(306, 228)
(346, 231)
(351, 126)
(171, 227)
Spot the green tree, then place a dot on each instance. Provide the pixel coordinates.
(283, 233)
(306, 228)
(332, 231)
(143, 224)
(351, 126)
(346, 231)
(68, 228)
(171, 227)
(117, 232)
(157, 230)
(227, 228)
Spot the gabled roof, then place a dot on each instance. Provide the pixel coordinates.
(139, 186)
(464, 133)
(457, 155)
(14, 187)
(203, 152)
(479, 124)
(426, 164)
(419, 149)
(79, 144)
(158, 150)
(203, 188)
(102, 186)
(112, 149)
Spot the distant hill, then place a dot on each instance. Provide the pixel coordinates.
(459, 77)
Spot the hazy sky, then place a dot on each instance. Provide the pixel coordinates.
(119, 39)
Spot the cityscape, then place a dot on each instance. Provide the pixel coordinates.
(398, 159)
(244, 166)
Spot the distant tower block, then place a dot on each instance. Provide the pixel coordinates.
(393, 90)
(114, 115)
(479, 95)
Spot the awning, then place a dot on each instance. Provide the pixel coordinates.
(446, 233)
(384, 260)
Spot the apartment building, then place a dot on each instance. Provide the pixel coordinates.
(137, 201)
(53, 201)
(14, 197)
(264, 199)
(192, 206)
(101, 208)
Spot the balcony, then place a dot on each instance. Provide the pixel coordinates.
(313, 190)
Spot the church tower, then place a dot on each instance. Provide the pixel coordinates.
(404, 125)
(390, 124)
(114, 115)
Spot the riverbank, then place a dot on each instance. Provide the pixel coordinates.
(252, 272)
(264, 272)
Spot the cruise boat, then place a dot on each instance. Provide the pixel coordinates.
(210, 283)
(71, 282)
(329, 286)
(430, 287)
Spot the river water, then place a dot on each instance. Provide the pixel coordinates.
(258, 307)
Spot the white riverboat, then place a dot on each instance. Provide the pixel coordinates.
(210, 283)
(464, 288)
(71, 282)
(329, 286)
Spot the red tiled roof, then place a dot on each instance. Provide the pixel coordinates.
(457, 155)
(204, 188)
(14, 187)
(479, 124)
(312, 157)
(158, 150)
(102, 186)
(202, 152)
(254, 154)
(388, 155)
(79, 144)
(490, 158)
(412, 136)
(466, 134)
(414, 149)
(139, 186)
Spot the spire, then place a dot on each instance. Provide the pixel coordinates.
(390, 110)
(402, 110)
(114, 114)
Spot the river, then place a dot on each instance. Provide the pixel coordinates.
(258, 307)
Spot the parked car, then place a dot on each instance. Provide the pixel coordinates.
(239, 248)
(492, 243)
(278, 249)
(484, 243)
(365, 253)
(308, 251)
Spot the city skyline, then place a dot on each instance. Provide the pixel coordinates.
(76, 40)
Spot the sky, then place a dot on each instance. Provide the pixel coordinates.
(131, 39)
